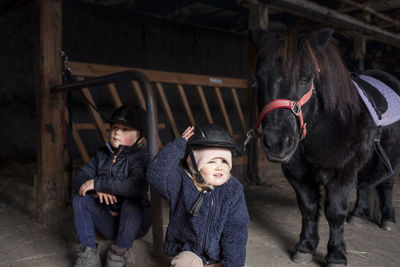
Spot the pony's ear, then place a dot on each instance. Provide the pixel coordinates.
(322, 38)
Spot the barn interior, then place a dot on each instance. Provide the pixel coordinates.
(185, 48)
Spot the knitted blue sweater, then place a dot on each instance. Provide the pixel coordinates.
(219, 232)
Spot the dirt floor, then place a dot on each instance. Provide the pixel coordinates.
(276, 225)
(274, 231)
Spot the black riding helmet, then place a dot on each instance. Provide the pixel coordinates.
(131, 116)
(211, 135)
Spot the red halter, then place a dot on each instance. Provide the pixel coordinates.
(294, 106)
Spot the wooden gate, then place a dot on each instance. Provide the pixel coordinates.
(196, 98)
(216, 99)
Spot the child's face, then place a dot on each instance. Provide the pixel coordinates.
(216, 171)
(123, 135)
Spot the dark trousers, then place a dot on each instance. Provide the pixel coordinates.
(89, 214)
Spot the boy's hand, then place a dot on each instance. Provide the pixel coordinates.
(188, 132)
(87, 186)
(108, 198)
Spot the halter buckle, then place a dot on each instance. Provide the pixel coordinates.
(296, 109)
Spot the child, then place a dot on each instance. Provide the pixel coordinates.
(112, 191)
(208, 219)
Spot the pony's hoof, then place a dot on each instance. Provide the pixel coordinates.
(389, 226)
(302, 258)
(356, 221)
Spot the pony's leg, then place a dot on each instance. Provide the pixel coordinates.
(308, 200)
(336, 206)
(385, 190)
(361, 209)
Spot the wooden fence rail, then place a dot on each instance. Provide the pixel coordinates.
(165, 82)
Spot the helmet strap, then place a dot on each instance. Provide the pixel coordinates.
(199, 178)
(137, 140)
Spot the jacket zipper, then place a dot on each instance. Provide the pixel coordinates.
(113, 161)
(208, 224)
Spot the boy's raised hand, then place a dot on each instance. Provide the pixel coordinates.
(188, 132)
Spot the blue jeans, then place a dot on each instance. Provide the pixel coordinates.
(89, 214)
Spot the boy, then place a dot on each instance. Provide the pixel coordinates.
(112, 191)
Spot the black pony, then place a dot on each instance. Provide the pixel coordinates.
(315, 123)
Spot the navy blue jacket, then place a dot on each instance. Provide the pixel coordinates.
(121, 172)
(219, 232)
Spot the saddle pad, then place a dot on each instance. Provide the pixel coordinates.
(392, 113)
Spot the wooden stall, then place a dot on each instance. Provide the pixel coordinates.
(224, 91)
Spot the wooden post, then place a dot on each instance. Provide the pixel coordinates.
(258, 20)
(258, 15)
(359, 43)
(49, 185)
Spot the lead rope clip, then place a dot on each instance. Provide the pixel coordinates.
(249, 135)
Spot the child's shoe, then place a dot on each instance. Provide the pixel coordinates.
(116, 256)
(87, 257)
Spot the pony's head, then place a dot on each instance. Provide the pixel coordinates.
(293, 68)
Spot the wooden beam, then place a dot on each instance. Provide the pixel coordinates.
(84, 126)
(101, 126)
(315, 12)
(204, 104)
(167, 109)
(258, 16)
(114, 95)
(186, 104)
(239, 110)
(77, 138)
(372, 11)
(360, 43)
(50, 188)
(88, 69)
(139, 94)
(378, 6)
(78, 141)
(223, 110)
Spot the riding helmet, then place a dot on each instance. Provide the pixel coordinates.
(211, 135)
(131, 116)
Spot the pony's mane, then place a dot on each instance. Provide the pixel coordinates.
(333, 80)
